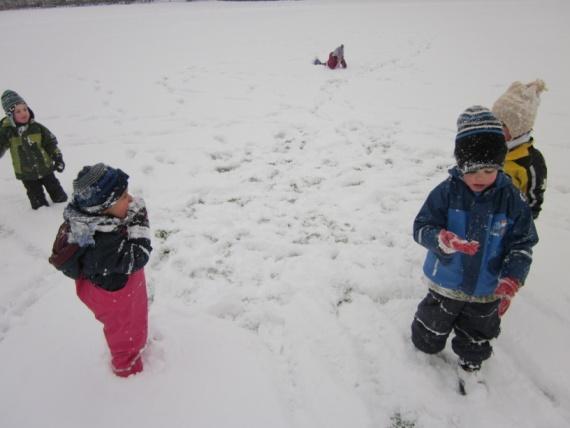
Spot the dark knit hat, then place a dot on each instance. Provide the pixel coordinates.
(480, 142)
(98, 187)
(9, 100)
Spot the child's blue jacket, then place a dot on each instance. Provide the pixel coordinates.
(498, 218)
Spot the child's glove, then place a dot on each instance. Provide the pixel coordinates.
(58, 163)
(137, 220)
(449, 243)
(506, 290)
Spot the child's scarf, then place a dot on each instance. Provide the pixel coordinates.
(83, 226)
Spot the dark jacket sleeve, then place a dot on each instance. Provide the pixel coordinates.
(114, 257)
(4, 145)
(521, 237)
(118, 254)
(432, 218)
(49, 142)
(536, 181)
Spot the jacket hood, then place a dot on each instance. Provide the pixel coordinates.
(8, 121)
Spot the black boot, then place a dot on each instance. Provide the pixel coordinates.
(37, 204)
(469, 366)
(36, 195)
(59, 197)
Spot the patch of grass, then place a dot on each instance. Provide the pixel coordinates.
(398, 421)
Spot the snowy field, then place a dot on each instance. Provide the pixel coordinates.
(284, 276)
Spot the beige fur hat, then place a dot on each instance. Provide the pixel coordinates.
(517, 107)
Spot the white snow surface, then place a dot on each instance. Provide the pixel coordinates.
(281, 196)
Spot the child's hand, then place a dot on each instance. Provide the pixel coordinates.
(136, 214)
(137, 220)
(449, 243)
(58, 163)
(506, 290)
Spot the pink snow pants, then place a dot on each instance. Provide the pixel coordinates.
(124, 314)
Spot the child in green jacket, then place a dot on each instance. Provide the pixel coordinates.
(35, 155)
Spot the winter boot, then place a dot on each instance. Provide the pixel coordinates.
(471, 382)
(35, 192)
(59, 197)
(38, 202)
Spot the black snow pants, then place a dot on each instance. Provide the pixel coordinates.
(35, 191)
(474, 324)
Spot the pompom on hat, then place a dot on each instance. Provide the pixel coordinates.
(480, 142)
(517, 107)
(98, 187)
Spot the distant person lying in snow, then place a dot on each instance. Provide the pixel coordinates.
(336, 59)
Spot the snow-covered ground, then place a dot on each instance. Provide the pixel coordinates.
(281, 194)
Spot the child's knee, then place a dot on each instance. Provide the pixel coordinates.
(426, 340)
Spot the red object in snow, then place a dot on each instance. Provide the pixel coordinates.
(333, 61)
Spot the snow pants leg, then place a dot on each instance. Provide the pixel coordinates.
(35, 192)
(124, 315)
(474, 324)
(54, 189)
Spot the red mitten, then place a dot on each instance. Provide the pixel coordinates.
(503, 306)
(506, 290)
(449, 243)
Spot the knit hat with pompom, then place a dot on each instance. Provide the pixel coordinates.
(517, 107)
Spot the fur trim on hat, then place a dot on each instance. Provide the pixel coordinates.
(518, 106)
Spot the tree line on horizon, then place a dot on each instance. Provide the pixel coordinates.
(24, 4)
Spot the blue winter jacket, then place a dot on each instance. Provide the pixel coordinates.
(498, 218)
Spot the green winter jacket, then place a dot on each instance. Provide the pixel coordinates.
(33, 148)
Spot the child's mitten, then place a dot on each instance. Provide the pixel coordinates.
(137, 220)
(449, 243)
(58, 163)
(506, 290)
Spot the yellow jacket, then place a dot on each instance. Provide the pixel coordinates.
(527, 168)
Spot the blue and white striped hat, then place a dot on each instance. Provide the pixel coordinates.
(480, 142)
(477, 120)
(98, 187)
